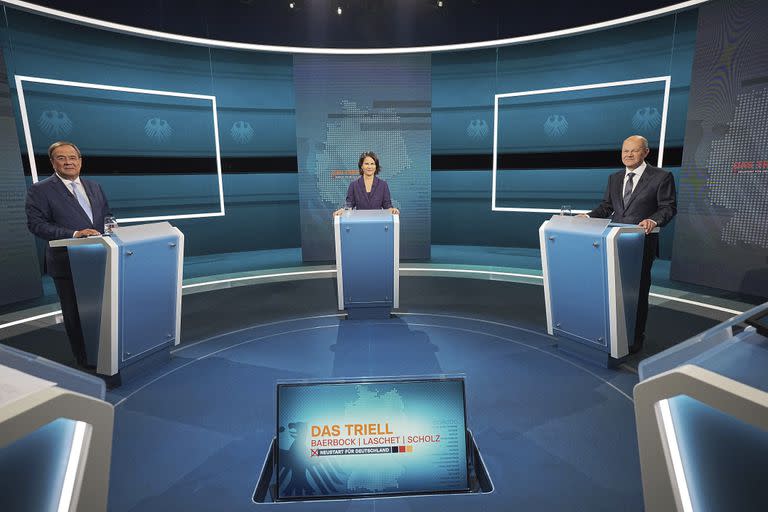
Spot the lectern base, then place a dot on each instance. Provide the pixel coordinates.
(140, 367)
(586, 353)
(479, 480)
(377, 313)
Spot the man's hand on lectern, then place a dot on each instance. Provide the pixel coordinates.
(647, 225)
(86, 232)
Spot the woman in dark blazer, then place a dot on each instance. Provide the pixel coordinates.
(368, 192)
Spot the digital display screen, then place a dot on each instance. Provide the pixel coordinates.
(721, 238)
(370, 438)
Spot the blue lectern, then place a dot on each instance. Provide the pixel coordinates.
(591, 273)
(702, 419)
(368, 262)
(128, 288)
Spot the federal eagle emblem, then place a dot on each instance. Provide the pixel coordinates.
(55, 123)
(556, 125)
(158, 129)
(646, 118)
(477, 129)
(241, 132)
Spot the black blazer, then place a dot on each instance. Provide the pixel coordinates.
(654, 198)
(53, 213)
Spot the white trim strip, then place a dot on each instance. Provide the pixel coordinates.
(469, 271)
(215, 43)
(664, 111)
(70, 475)
(694, 303)
(617, 328)
(673, 449)
(396, 256)
(586, 86)
(30, 319)
(331, 272)
(20, 79)
(89, 85)
(659, 162)
(495, 150)
(262, 276)
(171, 217)
(543, 247)
(108, 356)
(339, 275)
(179, 283)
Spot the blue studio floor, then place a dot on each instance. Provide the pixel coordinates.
(555, 433)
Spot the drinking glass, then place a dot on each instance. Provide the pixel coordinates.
(110, 223)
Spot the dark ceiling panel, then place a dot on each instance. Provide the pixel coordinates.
(362, 24)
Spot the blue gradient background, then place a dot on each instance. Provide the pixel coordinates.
(258, 88)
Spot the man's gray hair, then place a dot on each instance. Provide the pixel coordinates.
(641, 138)
(59, 144)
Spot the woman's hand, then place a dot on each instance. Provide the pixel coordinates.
(338, 212)
(394, 211)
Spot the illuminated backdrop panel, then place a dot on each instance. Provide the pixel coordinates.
(347, 105)
(721, 239)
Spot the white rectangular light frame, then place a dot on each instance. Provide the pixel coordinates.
(666, 79)
(20, 79)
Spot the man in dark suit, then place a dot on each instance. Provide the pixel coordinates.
(66, 206)
(645, 195)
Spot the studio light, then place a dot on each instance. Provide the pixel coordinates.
(338, 10)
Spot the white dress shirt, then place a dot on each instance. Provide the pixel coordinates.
(68, 184)
(638, 172)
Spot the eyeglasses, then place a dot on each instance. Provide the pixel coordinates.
(71, 158)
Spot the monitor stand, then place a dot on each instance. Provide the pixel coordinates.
(479, 480)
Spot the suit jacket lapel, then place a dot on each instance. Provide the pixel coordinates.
(642, 182)
(71, 199)
(618, 190)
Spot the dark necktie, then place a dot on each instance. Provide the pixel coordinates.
(628, 187)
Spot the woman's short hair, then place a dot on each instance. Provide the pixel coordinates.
(363, 157)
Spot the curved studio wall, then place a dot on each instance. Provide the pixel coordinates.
(155, 155)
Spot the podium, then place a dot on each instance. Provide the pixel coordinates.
(368, 262)
(128, 288)
(702, 419)
(591, 273)
(55, 436)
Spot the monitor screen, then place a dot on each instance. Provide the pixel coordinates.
(370, 438)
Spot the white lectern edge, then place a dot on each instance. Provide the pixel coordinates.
(107, 360)
(339, 278)
(617, 330)
(87, 486)
(664, 483)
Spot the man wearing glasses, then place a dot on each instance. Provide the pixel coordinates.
(66, 206)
